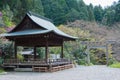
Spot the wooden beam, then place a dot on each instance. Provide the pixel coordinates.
(34, 52)
(46, 50)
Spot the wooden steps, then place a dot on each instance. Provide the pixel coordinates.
(52, 69)
(62, 67)
(40, 69)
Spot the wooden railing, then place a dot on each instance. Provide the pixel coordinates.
(37, 61)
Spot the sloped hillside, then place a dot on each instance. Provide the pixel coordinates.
(100, 32)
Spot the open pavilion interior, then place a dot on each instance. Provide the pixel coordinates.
(37, 31)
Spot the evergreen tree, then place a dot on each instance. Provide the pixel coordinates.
(73, 15)
(90, 13)
(1, 20)
(55, 10)
(16, 7)
(72, 4)
(21, 7)
(117, 10)
(47, 8)
(98, 12)
(35, 6)
(109, 16)
(7, 15)
(60, 11)
(82, 10)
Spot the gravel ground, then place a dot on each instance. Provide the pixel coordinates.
(78, 73)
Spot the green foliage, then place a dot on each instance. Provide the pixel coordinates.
(1, 20)
(115, 65)
(41, 53)
(109, 16)
(111, 61)
(7, 48)
(90, 13)
(19, 48)
(20, 57)
(19, 8)
(72, 4)
(7, 15)
(81, 62)
(37, 7)
(98, 12)
(2, 30)
(83, 12)
(72, 15)
(55, 50)
(1, 70)
(98, 56)
(117, 10)
(60, 11)
(58, 7)
(15, 6)
(74, 50)
(1, 61)
(80, 52)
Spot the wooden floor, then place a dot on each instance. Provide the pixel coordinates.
(50, 65)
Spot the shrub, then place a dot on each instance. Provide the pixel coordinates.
(111, 61)
(81, 62)
(7, 47)
(1, 61)
(115, 65)
(97, 56)
(1, 70)
(20, 57)
(41, 53)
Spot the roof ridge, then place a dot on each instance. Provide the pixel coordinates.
(39, 16)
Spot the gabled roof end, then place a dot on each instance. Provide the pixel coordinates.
(42, 17)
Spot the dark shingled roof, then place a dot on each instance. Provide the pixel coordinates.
(42, 22)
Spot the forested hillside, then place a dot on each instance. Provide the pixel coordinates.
(60, 11)
(103, 24)
(87, 22)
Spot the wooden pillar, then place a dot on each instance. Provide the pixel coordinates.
(61, 56)
(34, 52)
(15, 50)
(46, 51)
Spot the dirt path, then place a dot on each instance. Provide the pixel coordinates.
(79, 73)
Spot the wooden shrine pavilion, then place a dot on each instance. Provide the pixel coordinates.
(37, 31)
